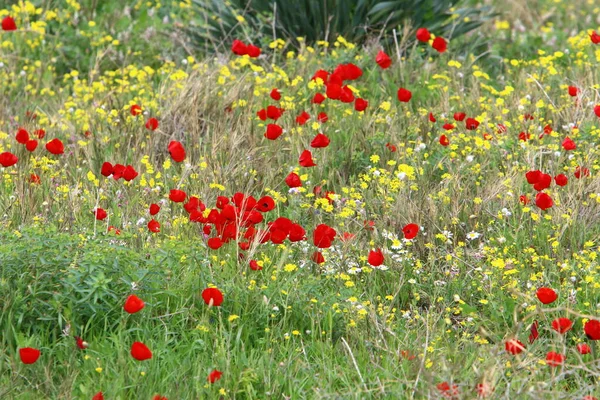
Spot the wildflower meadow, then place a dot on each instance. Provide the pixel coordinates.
(202, 200)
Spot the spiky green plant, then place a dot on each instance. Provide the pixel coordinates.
(217, 23)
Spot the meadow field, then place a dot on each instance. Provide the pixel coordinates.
(262, 216)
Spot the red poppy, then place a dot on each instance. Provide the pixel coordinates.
(523, 136)
(533, 177)
(383, 60)
(154, 209)
(275, 95)
(254, 265)
(423, 35)
(533, 334)
(273, 131)
(159, 397)
(128, 173)
(573, 91)
(581, 172)
(554, 359)
(239, 48)
(306, 160)
(320, 141)
(107, 169)
(404, 95)
(22, 136)
(431, 118)
(546, 295)
(318, 98)
(135, 110)
(214, 243)
(33, 178)
(177, 196)
(444, 141)
(544, 181)
(40, 133)
(293, 180)
(459, 116)
(471, 124)
(391, 147)
(100, 214)
(543, 201)
(214, 376)
(31, 145)
(410, 231)
(333, 91)
(317, 257)
(594, 37)
(592, 329)
(253, 51)
(360, 104)
(176, 151)
(323, 236)
(302, 118)
(98, 396)
(569, 144)
(9, 24)
(274, 113)
(8, 159)
(152, 124)
(80, 343)
(322, 117)
(584, 348)
(562, 325)
(55, 146)
(320, 74)
(561, 179)
(29, 355)
(265, 204)
(514, 346)
(133, 304)
(448, 126)
(375, 258)
(140, 351)
(348, 72)
(112, 228)
(212, 297)
(439, 43)
(154, 226)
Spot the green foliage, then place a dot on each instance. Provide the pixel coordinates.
(218, 23)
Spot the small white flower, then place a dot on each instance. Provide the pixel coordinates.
(473, 235)
(506, 212)
(469, 158)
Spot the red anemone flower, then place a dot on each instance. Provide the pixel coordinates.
(212, 297)
(383, 60)
(140, 351)
(29, 355)
(133, 304)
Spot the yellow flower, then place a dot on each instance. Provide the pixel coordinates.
(233, 317)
